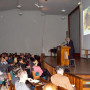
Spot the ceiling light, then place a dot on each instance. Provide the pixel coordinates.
(37, 5)
(63, 10)
(41, 6)
(79, 3)
(19, 6)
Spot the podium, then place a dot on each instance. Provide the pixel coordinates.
(62, 55)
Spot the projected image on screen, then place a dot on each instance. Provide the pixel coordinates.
(86, 21)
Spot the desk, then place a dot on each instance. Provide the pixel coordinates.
(38, 86)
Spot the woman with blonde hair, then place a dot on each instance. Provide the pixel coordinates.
(15, 61)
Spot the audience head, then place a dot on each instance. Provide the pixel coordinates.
(22, 55)
(37, 57)
(60, 69)
(20, 60)
(50, 86)
(35, 62)
(19, 72)
(6, 58)
(15, 60)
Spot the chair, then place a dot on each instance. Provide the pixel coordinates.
(72, 62)
(34, 75)
(12, 87)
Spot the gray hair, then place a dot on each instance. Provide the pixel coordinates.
(59, 67)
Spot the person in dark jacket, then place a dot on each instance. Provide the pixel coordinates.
(70, 44)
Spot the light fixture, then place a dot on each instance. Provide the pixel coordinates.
(63, 10)
(39, 6)
(36, 5)
(19, 6)
(79, 3)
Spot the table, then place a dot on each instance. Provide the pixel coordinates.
(40, 84)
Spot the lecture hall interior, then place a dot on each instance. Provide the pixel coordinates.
(33, 39)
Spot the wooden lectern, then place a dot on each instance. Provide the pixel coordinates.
(62, 55)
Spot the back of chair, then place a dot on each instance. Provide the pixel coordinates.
(12, 87)
(34, 75)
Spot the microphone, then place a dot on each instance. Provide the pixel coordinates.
(63, 43)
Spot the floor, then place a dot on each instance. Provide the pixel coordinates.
(82, 65)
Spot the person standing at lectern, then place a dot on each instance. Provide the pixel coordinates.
(70, 44)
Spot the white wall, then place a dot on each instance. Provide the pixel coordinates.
(55, 31)
(74, 30)
(31, 32)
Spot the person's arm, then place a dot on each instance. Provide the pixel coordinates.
(34, 75)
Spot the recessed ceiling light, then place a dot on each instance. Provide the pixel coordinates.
(79, 3)
(41, 6)
(63, 10)
(19, 6)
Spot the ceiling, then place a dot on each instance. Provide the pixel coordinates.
(53, 7)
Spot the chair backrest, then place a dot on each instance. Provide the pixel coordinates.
(9, 76)
(12, 87)
(34, 75)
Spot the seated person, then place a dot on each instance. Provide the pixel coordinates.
(3, 65)
(22, 74)
(10, 60)
(60, 80)
(38, 72)
(21, 63)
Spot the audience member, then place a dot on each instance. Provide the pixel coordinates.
(60, 80)
(3, 64)
(10, 60)
(38, 72)
(22, 74)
